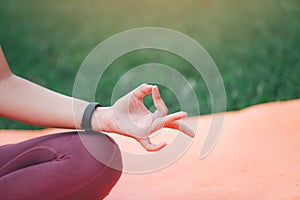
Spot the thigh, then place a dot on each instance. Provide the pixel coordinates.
(59, 166)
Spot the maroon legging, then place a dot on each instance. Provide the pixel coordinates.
(59, 166)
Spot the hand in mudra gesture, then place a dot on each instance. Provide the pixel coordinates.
(129, 116)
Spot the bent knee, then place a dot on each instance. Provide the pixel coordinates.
(98, 164)
(87, 153)
(102, 148)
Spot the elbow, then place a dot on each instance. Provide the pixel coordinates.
(6, 76)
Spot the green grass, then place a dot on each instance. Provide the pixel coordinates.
(255, 44)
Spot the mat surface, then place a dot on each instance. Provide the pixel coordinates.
(257, 157)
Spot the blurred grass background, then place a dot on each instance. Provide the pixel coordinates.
(255, 44)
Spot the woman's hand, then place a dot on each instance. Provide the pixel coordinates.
(129, 116)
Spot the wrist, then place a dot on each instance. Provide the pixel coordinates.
(100, 119)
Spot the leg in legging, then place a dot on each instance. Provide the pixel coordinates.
(59, 166)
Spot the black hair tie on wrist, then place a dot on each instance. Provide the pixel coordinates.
(87, 116)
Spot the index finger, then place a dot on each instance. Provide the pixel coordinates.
(141, 91)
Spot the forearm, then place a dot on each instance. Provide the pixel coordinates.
(24, 101)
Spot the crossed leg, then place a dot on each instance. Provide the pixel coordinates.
(59, 166)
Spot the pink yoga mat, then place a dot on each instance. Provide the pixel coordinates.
(257, 157)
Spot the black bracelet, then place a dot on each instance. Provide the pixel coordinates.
(87, 116)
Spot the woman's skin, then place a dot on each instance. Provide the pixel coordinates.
(24, 101)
